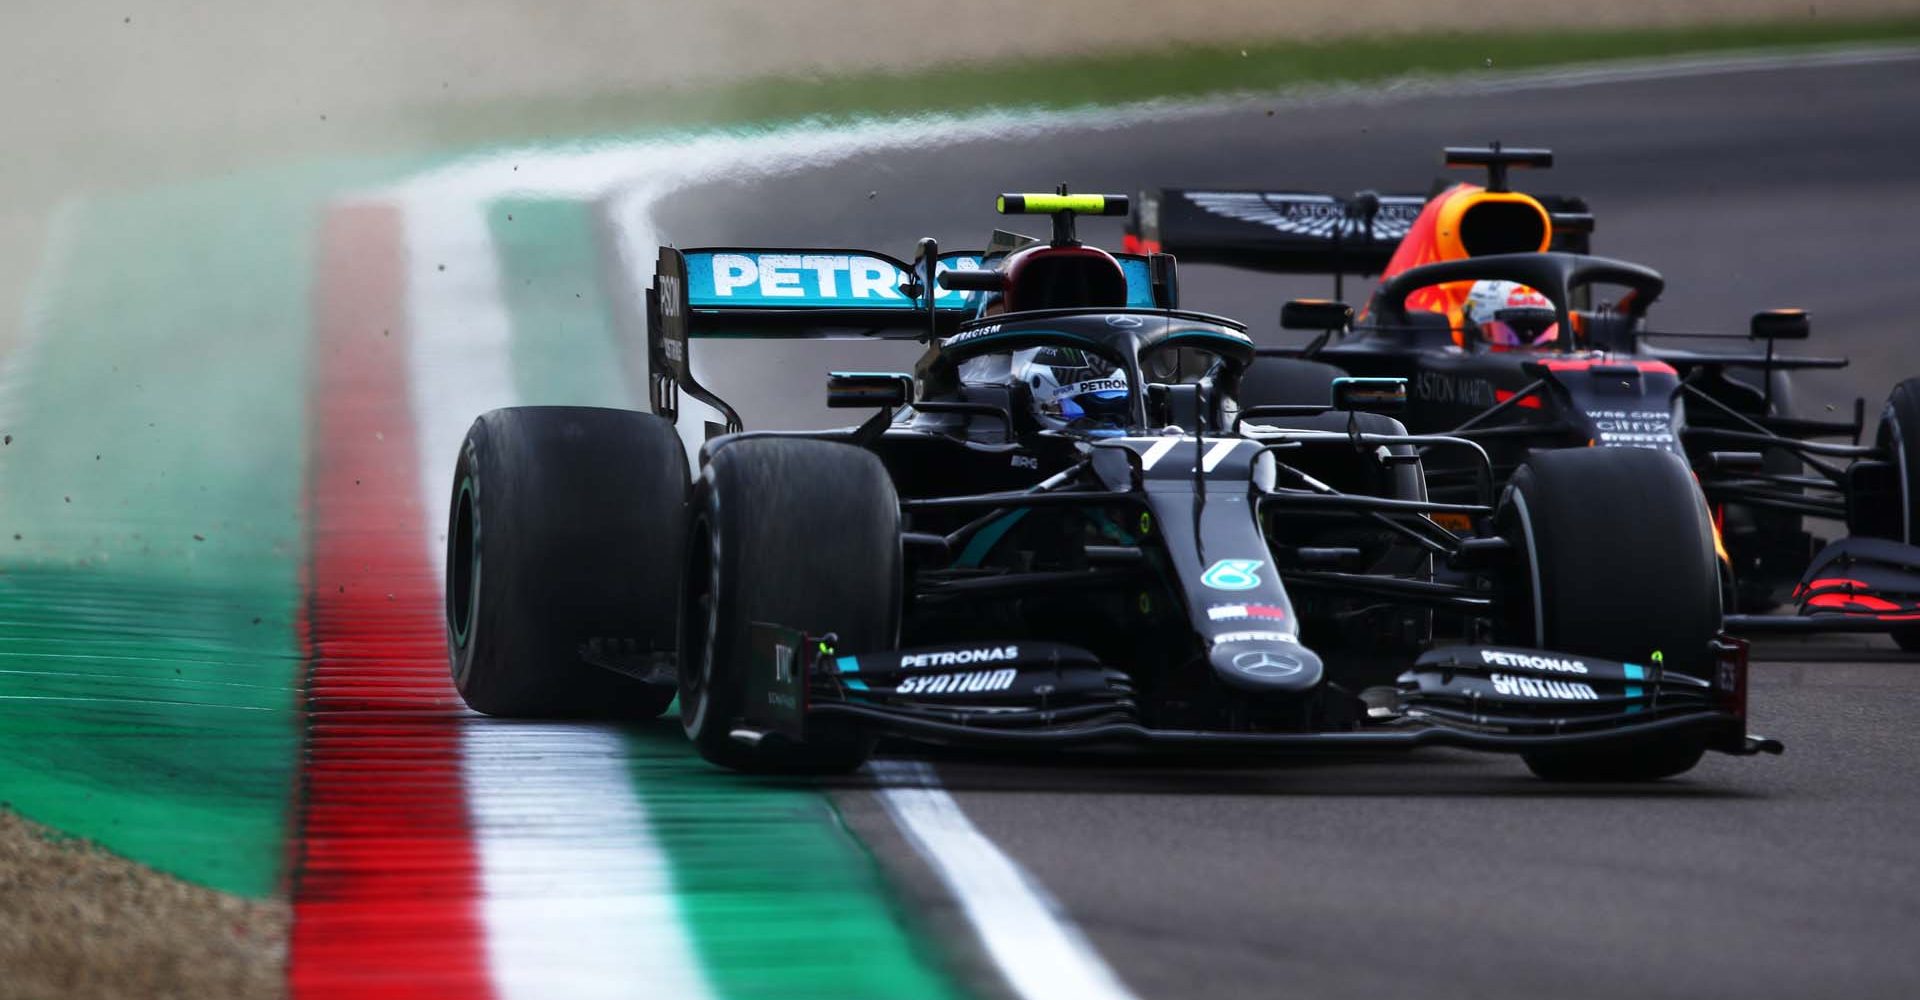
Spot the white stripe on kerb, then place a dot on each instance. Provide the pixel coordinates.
(577, 896)
(1043, 955)
(579, 899)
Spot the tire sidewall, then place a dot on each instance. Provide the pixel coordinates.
(785, 509)
(1577, 530)
(1611, 546)
(709, 704)
(466, 493)
(564, 506)
(1899, 434)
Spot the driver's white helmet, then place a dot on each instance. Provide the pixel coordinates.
(1073, 388)
(1510, 314)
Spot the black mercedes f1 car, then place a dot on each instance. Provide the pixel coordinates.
(1062, 529)
(1592, 373)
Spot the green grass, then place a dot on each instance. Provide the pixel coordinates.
(1168, 73)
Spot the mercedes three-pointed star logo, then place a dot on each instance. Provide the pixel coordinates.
(1261, 663)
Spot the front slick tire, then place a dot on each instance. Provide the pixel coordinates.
(1900, 436)
(792, 532)
(565, 526)
(1620, 556)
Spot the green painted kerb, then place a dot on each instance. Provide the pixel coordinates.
(151, 536)
(782, 901)
(550, 260)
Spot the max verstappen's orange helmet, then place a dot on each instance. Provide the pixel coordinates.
(1507, 314)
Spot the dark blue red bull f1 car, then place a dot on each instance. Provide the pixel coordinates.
(1511, 335)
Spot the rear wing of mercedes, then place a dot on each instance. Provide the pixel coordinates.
(1302, 232)
(808, 293)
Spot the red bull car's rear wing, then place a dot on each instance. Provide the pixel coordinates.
(1301, 232)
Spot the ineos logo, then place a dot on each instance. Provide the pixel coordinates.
(1261, 663)
(670, 295)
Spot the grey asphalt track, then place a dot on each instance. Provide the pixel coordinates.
(1447, 874)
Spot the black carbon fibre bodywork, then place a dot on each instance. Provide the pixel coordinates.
(1194, 576)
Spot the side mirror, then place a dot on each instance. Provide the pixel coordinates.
(1737, 462)
(974, 281)
(1572, 223)
(1781, 324)
(1374, 395)
(1315, 314)
(868, 389)
(1164, 279)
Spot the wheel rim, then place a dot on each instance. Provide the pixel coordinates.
(463, 565)
(701, 624)
(1533, 570)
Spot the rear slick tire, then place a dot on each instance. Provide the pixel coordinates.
(793, 532)
(564, 526)
(1620, 564)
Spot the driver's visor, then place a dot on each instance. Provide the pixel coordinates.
(1502, 333)
(1104, 403)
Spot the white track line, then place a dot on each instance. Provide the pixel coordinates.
(1038, 948)
(461, 368)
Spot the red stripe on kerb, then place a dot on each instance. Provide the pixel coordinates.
(387, 878)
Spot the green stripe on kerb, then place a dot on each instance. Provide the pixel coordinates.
(151, 530)
(149, 715)
(151, 538)
(563, 339)
(780, 898)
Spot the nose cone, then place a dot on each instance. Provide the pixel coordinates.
(1266, 667)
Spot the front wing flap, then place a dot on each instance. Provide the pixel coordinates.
(1855, 584)
(1863, 577)
(1525, 690)
(1051, 695)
